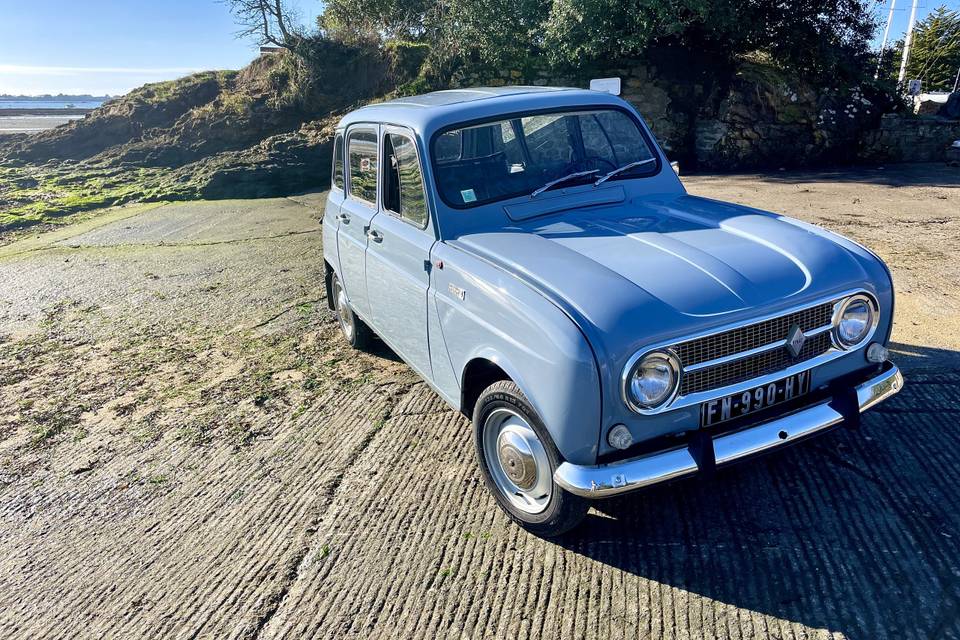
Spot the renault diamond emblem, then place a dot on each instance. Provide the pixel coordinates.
(795, 340)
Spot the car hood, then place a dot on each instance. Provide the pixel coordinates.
(656, 268)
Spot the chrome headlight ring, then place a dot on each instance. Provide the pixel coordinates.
(663, 357)
(845, 310)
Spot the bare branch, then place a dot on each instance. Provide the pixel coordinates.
(260, 19)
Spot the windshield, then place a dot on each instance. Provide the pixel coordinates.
(507, 158)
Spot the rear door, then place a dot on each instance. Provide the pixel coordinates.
(357, 210)
(398, 253)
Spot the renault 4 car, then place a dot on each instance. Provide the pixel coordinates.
(530, 253)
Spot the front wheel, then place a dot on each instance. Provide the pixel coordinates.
(518, 458)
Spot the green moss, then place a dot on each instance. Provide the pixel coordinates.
(55, 192)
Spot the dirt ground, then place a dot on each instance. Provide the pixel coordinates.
(188, 450)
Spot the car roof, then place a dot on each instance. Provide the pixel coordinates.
(428, 112)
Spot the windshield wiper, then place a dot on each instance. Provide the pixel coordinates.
(569, 176)
(618, 170)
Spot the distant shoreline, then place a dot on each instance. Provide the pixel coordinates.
(44, 112)
(28, 121)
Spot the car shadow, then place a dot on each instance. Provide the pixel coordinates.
(856, 531)
(913, 358)
(380, 349)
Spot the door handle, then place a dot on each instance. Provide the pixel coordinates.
(344, 218)
(375, 235)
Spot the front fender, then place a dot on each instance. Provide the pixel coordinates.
(487, 313)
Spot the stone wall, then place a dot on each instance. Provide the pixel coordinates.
(909, 139)
(765, 121)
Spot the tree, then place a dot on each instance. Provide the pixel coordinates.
(935, 52)
(366, 20)
(813, 37)
(269, 21)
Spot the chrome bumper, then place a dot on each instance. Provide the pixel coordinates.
(601, 481)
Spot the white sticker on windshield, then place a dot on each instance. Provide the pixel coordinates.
(468, 195)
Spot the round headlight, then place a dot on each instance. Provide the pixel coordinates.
(653, 380)
(855, 321)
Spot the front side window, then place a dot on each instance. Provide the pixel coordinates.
(338, 162)
(362, 152)
(402, 180)
(515, 156)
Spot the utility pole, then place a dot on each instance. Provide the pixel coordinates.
(907, 42)
(886, 32)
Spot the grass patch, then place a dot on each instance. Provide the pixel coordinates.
(47, 425)
(171, 90)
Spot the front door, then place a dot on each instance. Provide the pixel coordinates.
(398, 252)
(356, 212)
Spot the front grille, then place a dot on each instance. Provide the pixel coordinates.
(751, 367)
(751, 336)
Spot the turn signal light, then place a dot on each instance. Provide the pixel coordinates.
(619, 437)
(878, 353)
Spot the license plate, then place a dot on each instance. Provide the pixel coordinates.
(752, 400)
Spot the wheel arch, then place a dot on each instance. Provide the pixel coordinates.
(485, 368)
(478, 374)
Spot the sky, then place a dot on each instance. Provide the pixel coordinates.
(901, 16)
(112, 46)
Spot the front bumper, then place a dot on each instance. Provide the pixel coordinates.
(605, 480)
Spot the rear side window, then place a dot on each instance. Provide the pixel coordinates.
(403, 182)
(362, 152)
(338, 162)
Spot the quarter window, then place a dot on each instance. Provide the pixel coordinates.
(362, 152)
(338, 162)
(403, 182)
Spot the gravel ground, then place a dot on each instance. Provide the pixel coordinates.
(188, 450)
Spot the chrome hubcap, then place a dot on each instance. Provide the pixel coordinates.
(343, 310)
(517, 460)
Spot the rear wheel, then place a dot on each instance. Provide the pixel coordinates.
(354, 329)
(518, 458)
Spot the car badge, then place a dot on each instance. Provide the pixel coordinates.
(461, 294)
(795, 340)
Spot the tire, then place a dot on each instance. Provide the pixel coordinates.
(509, 435)
(355, 330)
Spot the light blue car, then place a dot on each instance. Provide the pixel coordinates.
(531, 254)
